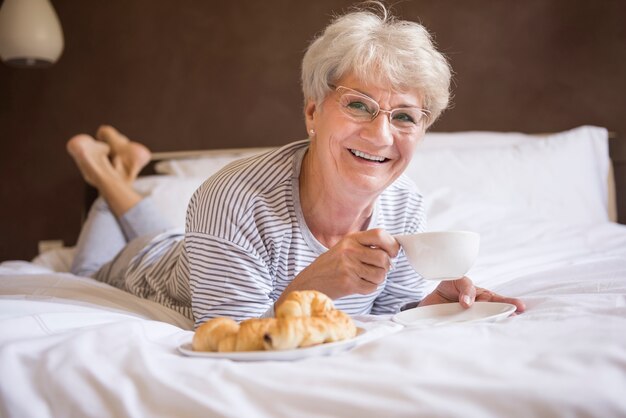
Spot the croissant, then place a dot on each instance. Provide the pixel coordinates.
(250, 335)
(305, 318)
(305, 331)
(208, 335)
(304, 303)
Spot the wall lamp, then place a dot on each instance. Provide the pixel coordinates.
(30, 33)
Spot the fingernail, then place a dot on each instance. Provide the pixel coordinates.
(466, 299)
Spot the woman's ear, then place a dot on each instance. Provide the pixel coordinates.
(309, 115)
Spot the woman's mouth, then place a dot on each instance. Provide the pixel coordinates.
(368, 157)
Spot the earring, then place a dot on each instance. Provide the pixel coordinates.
(312, 132)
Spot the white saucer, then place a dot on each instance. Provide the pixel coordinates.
(326, 349)
(448, 313)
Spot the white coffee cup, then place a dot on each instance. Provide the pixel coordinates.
(442, 255)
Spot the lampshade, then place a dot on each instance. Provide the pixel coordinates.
(30, 33)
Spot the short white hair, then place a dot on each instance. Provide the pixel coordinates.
(376, 47)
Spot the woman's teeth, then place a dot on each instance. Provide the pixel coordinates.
(367, 156)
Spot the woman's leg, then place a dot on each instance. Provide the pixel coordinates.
(100, 239)
(110, 164)
(120, 215)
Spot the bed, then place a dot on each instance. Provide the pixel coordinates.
(70, 346)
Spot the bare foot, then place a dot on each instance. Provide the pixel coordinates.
(128, 157)
(91, 157)
(93, 160)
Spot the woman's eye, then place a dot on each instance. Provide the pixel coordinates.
(358, 106)
(404, 117)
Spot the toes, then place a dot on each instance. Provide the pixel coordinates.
(127, 157)
(77, 141)
(112, 136)
(90, 156)
(81, 144)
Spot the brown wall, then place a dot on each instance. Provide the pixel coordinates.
(209, 74)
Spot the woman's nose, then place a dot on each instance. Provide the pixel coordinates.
(379, 130)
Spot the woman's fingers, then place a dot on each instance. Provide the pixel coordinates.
(372, 275)
(466, 291)
(367, 258)
(378, 238)
(484, 295)
(357, 264)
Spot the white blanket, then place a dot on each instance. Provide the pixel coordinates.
(72, 347)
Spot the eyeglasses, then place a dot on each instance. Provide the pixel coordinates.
(362, 108)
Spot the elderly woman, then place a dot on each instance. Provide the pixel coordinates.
(315, 214)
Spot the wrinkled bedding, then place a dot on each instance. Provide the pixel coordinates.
(75, 347)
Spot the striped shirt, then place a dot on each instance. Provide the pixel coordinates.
(246, 239)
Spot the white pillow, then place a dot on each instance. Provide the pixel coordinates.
(206, 164)
(560, 177)
(472, 139)
(57, 259)
(170, 193)
(471, 180)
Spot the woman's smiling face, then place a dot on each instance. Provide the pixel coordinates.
(363, 157)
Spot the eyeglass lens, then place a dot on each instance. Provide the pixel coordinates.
(362, 108)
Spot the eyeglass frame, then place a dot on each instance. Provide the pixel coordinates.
(423, 120)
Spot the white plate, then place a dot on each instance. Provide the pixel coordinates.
(448, 313)
(326, 349)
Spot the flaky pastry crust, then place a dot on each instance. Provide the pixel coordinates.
(305, 318)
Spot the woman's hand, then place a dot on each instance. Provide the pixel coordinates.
(357, 264)
(463, 291)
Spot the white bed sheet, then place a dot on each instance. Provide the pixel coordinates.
(72, 347)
